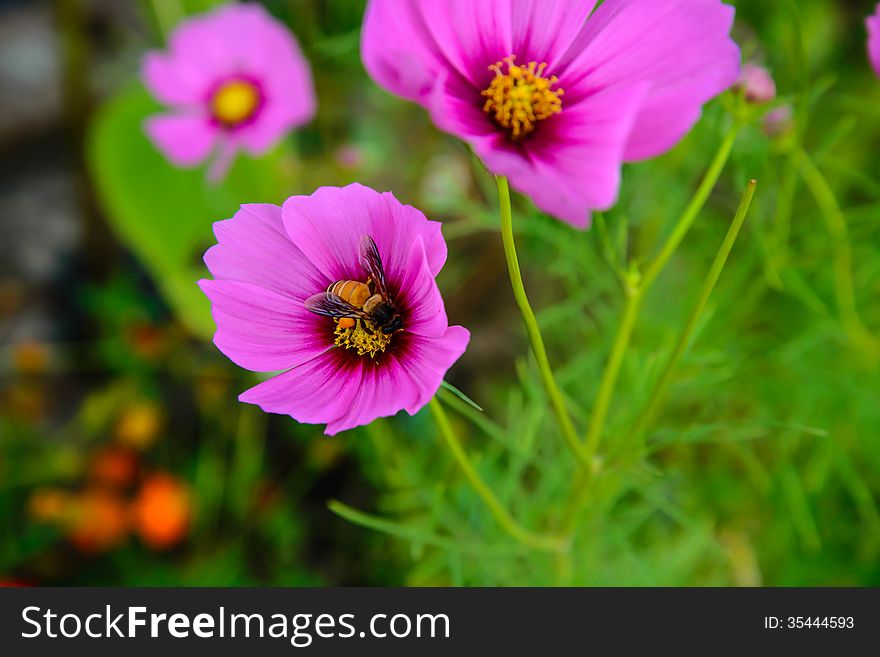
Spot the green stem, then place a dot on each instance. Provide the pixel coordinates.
(841, 252)
(636, 288)
(714, 274)
(693, 209)
(531, 324)
(634, 296)
(501, 515)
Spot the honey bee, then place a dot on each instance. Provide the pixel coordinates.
(348, 301)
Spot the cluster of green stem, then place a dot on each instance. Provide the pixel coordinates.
(586, 449)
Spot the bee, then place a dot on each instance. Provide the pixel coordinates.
(348, 301)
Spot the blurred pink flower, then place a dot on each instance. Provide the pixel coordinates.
(778, 121)
(873, 24)
(553, 99)
(756, 83)
(270, 262)
(234, 78)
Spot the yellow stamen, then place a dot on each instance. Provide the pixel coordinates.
(522, 97)
(235, 102)
(363, 336)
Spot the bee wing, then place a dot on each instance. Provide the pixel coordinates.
(332, 305)
(371, 261)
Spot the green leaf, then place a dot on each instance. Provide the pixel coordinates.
(165, 214)
(458, 393)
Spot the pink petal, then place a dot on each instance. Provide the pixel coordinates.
(384, 390)
(274, 121)
(426, 361)
(172, 82)
(571, 165)
(873, 25)
(317, 392)
(406, 43)
(398, 49)
(682, 48)
(327, 226)
(419, 296)
(471, 35)
(233, 38)
(253, 247)
(185, 140)
(261, 330)
(544, 29)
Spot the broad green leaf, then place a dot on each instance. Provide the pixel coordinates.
(165, 214)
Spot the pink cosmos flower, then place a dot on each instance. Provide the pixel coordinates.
(234, 78)
(348, 357)
(553, 99)
(873, 24)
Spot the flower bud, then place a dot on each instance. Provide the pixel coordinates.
(756, 84)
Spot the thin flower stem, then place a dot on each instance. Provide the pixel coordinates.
(531, 324)
(658, 393)
(634, 296)
(844, 286)
(501, 515)
(693, 209)
(636, 289)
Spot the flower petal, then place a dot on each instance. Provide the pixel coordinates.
(185, 140)
(173, 82)
(262, 330)
(571, 165)
(873, 25)
(317, 392)
(327, 226)
(419, 296)
(426, 361)
(405, 44)
(544, 29)
(253, 247)
(385, 389)
(404, 66)
(682, 48)
(273, 122)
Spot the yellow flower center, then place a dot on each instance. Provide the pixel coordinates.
(521, 97)
(235, 102)
(363, 336)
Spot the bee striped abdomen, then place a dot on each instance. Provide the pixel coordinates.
(354, 292)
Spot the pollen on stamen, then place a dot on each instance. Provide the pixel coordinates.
(364, 337)
(521, 97)
(235, 102)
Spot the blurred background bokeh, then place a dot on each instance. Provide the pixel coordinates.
(126, 459)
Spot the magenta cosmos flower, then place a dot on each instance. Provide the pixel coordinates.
(549, 95)
(873, 23)
(234, 78)
(338, 290)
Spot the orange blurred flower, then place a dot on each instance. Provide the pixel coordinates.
(147, 340)
(139, 424)
(114, 466)
(96, 521)
(160, 514)
(25, 401)
(30, 357)
(48, 504)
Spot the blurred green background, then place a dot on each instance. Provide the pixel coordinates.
(126, 459)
